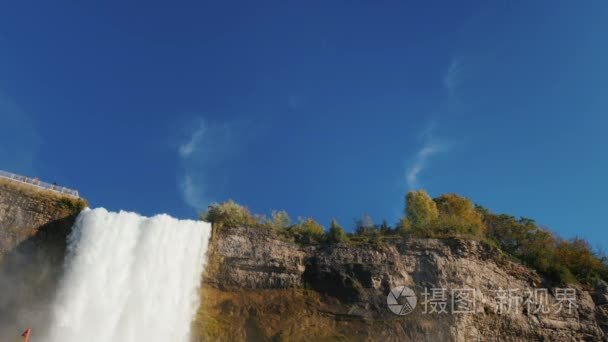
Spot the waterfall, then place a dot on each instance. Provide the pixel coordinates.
(129, 278)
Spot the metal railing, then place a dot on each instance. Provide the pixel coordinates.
(39, 184)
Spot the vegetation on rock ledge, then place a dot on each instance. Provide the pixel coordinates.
(447, 216)
(70, 204)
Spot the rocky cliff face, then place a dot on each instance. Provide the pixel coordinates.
(33, 229)
(261, 287)
(28, 214)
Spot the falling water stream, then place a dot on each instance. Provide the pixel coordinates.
(129, 278)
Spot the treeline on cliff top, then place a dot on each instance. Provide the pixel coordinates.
(447, 216)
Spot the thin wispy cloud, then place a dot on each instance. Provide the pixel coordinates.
(192, 193)
(453, 78)
(204, 149)
(453, 75)
(187, 148)
(421, 160)
(194, 152)
(419, 164)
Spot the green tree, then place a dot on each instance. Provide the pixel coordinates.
(384, 228)
(404, 227)
(336, 232)
(308, 230)
(507, 232)
(523, 239)
(537, 248)
(420, 209)
(365, 225)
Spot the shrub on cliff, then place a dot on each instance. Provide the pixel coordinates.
(279, 220)
(579, 258)
(404, 227)
(73, 205)
(385, 229)
(308, 231)
(365, 226)
(229, 214)
(336, 233)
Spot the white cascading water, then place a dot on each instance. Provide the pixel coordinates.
(130, 278)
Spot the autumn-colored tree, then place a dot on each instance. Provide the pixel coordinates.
(577, 256)
(458, 215)
(420, 209)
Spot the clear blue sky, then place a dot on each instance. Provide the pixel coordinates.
(328, 108)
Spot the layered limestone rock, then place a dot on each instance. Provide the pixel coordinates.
(34, 225)
(26, 212)
(261, 286)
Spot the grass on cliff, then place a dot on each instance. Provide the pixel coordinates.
(69, 204)
(264, 315)
(447, 216)
(300, 315)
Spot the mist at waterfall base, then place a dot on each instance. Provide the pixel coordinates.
(129, 278)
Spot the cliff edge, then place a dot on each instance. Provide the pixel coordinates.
(34, 225)
(261, 287)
